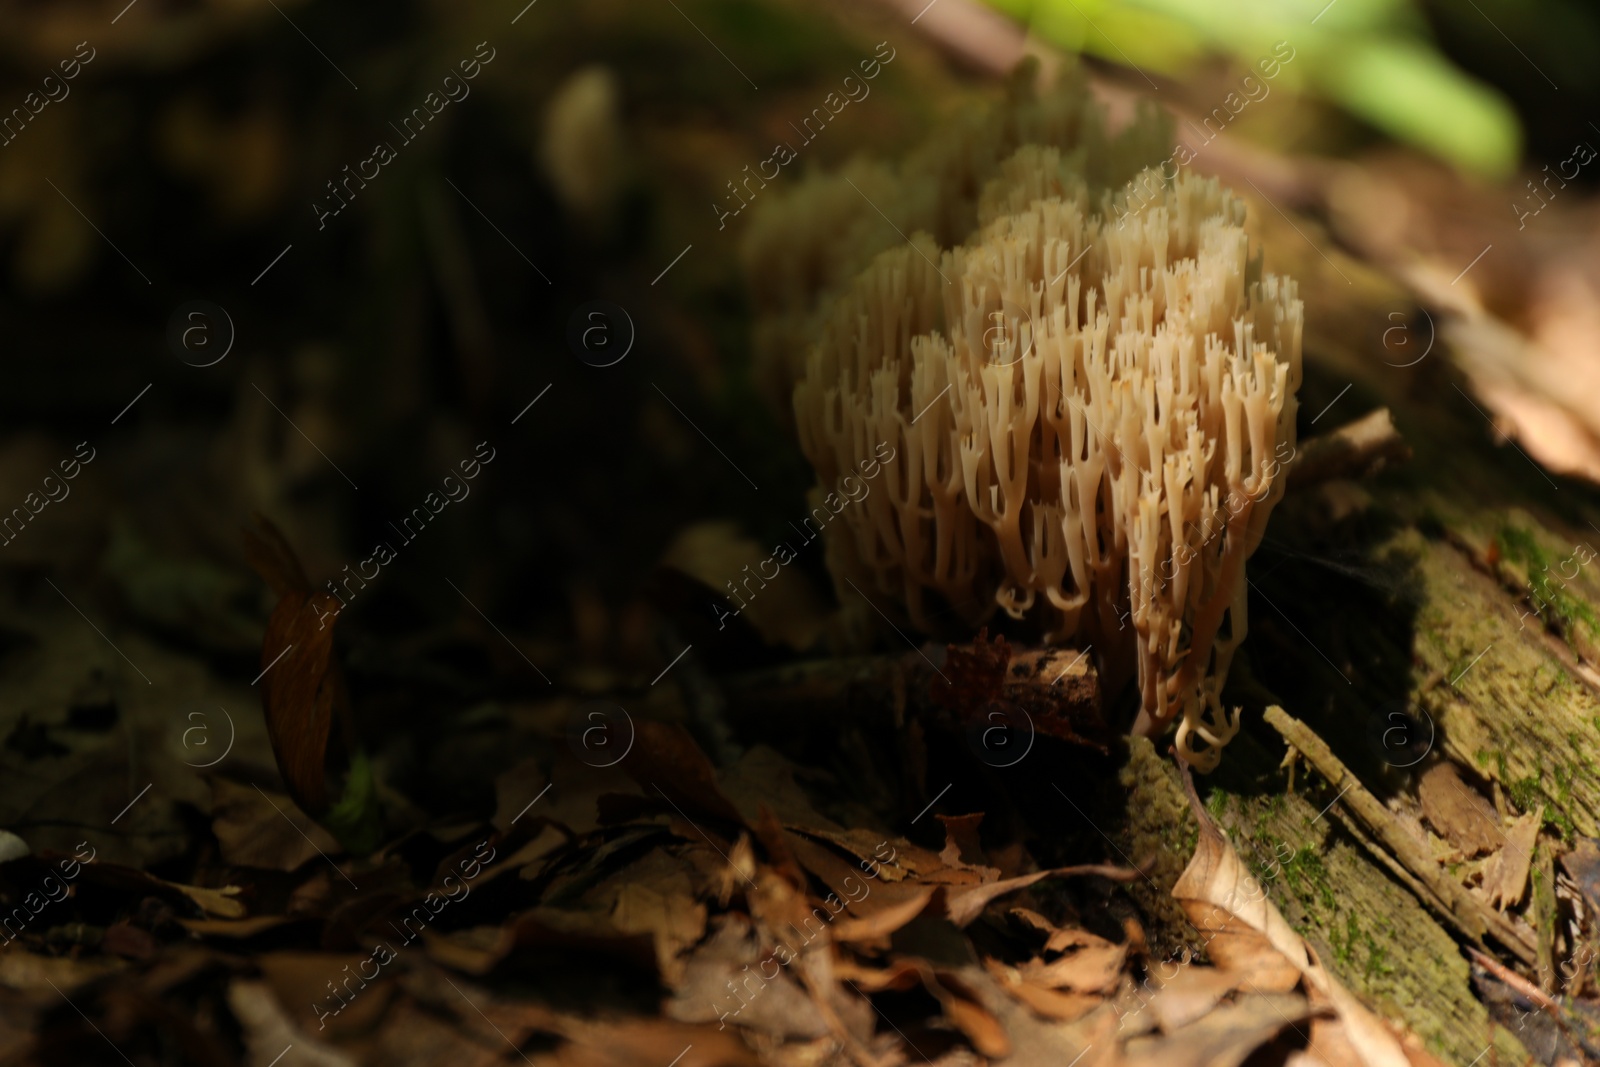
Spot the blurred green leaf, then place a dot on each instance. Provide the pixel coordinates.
(1373, 58)
(1410, 91)
(356, 821)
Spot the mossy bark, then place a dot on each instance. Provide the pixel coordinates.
(1366, 926)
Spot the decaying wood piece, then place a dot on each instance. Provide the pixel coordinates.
(1352, 451)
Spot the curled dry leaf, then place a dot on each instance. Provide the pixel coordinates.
(961, 844)
(219, 903)
(1247, 936)
(876, 926)
(1189, 995)
(302, 687)
(959, 1000)
(1059, 1005)
(1225, 1037)
(1095, 966)
(964, 905)
(669, 766)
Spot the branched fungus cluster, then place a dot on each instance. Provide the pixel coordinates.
(1092, 409)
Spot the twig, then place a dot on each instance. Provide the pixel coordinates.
(1526, 989)
(1521, 985)
(1446, 896)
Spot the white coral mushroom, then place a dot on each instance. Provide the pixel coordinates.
(1092, 417)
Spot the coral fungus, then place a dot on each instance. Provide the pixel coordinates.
(1092, 408)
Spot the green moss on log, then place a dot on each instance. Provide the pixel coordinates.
(1368, 930)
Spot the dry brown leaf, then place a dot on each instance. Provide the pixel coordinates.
(780, 857)
(1250, 938)
(1505, 875)
(1224, 1037)
(574, 794)
(1537, 378)
(653, 897)
(858, 888)
(673, 918)
(965, 904)
(959, 1001)
(235, 929)
(964, 1010)
(1093, 968)
(1056, 938)
(784, 609)
(889, 859)
(734, 872)
(221, 903)
(878, 925)
(1046, 1003)
(961, 845)
(789, 923)
(1188, 995)
(304, 982)
(1457, 812)
(302, 685)
(764, 777)
(254, 833)
(528, 857)
(669, 766)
